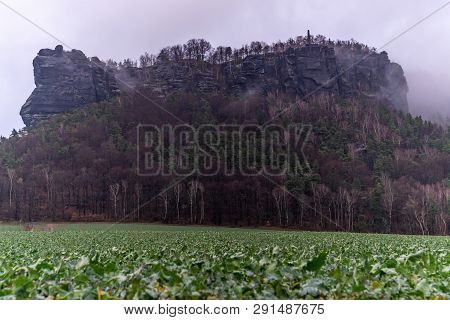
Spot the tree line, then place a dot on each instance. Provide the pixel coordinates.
(201, 50)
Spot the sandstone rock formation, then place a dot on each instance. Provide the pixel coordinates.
(372, 75)
(66, 80)
(299, 71)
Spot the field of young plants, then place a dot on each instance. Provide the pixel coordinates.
(156, 262)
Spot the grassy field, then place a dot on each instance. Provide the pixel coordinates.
(101, 261)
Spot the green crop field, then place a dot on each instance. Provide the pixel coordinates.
(161, 262)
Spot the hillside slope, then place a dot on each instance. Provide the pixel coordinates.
(372, 168)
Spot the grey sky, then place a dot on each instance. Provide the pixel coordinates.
(120, 29)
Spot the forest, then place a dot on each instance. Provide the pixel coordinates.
(372, 169)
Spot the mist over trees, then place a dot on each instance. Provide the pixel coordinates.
(426, 94)
(429, 96)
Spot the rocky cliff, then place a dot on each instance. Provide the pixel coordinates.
(299, 71)
(66, 80)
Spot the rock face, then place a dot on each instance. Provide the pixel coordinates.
(66, 80)
(372, 75)
(298, 71)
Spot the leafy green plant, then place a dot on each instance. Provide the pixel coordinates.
(157, 262)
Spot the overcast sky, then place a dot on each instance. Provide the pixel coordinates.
(119, 29)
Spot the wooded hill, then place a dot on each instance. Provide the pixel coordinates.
(373, 169)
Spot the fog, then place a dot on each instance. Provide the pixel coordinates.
(121, 29)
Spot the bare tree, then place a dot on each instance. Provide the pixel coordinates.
(197, 48)
(177, 189)
(49, 187)
(380, 131)
(11, 176)
(196, 187)
(437, 195)
(201, 188)
(124, 198)
(192, 192)
(443, 202)
(365, 125)
(176, 53)
(203, 48)
(165, 199)
(320, 192)
(417, 205)
(412, 205)
(350, 198)
(256, 47)
(388, 197)
(114, 191)
(302, 200)
(280, 195)
(146, 60)
(138, 192)
(228, 53)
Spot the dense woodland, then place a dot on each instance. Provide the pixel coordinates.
(372, 169)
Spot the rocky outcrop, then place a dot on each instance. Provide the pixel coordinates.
(372, 75)
(298, 71)
(66, 80)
